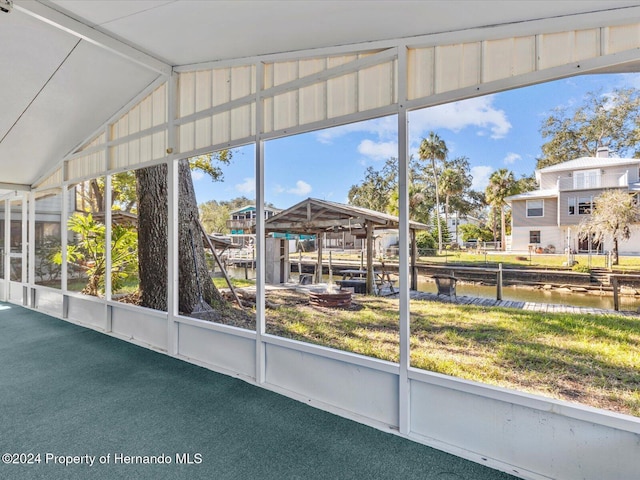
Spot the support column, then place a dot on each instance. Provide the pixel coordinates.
(108, 232)
(173, 285)
(370, 272)
(7, 249)
(414, 259)
(260, 266)
(108, 227)
(404, 394)
(173, 213)
(261, 354)
(319, 261)
(31, 253)
(24, 217)
(64, 237)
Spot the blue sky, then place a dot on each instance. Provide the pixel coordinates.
(494, 131)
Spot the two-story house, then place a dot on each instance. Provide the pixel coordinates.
(242, 222)
(456, 220)
(549, 217)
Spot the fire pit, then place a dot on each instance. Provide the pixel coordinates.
(340, 298)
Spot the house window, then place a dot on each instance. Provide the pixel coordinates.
(534, 236)
(535, 208)
(572, 205)
(586, 179)
(585, 204)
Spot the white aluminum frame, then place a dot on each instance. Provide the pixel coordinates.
(523, 434)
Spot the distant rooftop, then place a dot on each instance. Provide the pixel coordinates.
(549, 193)
(248, 208)
(589, 162)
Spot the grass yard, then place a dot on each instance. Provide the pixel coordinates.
(220, 282)
(626, 263)
(593, 360)
(470, 258)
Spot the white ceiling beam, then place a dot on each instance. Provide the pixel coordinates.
(16, 187)
(74, 27)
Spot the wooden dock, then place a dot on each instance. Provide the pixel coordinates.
(532, 306)
(479, 301)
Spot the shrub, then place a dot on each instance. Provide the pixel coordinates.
(581, 268)
(426, 244)
(89, 253)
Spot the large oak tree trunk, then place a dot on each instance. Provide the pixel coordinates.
(153, 214)
(193, 274)
(152, 242)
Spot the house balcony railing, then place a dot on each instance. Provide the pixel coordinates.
(241, 224)
(612, 180)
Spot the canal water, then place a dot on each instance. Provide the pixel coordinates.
(523, 294)
(513, 293)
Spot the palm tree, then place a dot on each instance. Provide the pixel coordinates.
(434, 148)
(451, 183)
(416, 197)
(502, 183)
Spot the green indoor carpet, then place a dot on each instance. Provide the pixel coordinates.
(78, 404)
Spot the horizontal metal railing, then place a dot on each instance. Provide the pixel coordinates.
(612, 180)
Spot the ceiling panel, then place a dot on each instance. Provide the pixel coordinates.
(27, 61)
(90, 87)
(192, 31)
(47, 112)
(101, 12)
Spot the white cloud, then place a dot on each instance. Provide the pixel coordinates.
(302, 188)
(481, 176)
(278, 189)
(248, 186)
(384, 128)
(378, 150)
(478, 113)
(511, 158)
(629, 80)
(197, 175)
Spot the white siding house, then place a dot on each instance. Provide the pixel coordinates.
(455, 221)
(549, 217)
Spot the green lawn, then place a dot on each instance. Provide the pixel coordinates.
(130, 284)
(220, 282)
(582, 358)
(630, 263)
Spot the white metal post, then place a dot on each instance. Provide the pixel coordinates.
(108, 220)
(403, 233)
(172, 257)
(172, 222)
(108, 198)
(260, 232)
(108, 284)
(31, 251)
(24, 245)
(7, 248)
(64, 237)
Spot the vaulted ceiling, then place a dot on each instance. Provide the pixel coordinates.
(67, 66)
